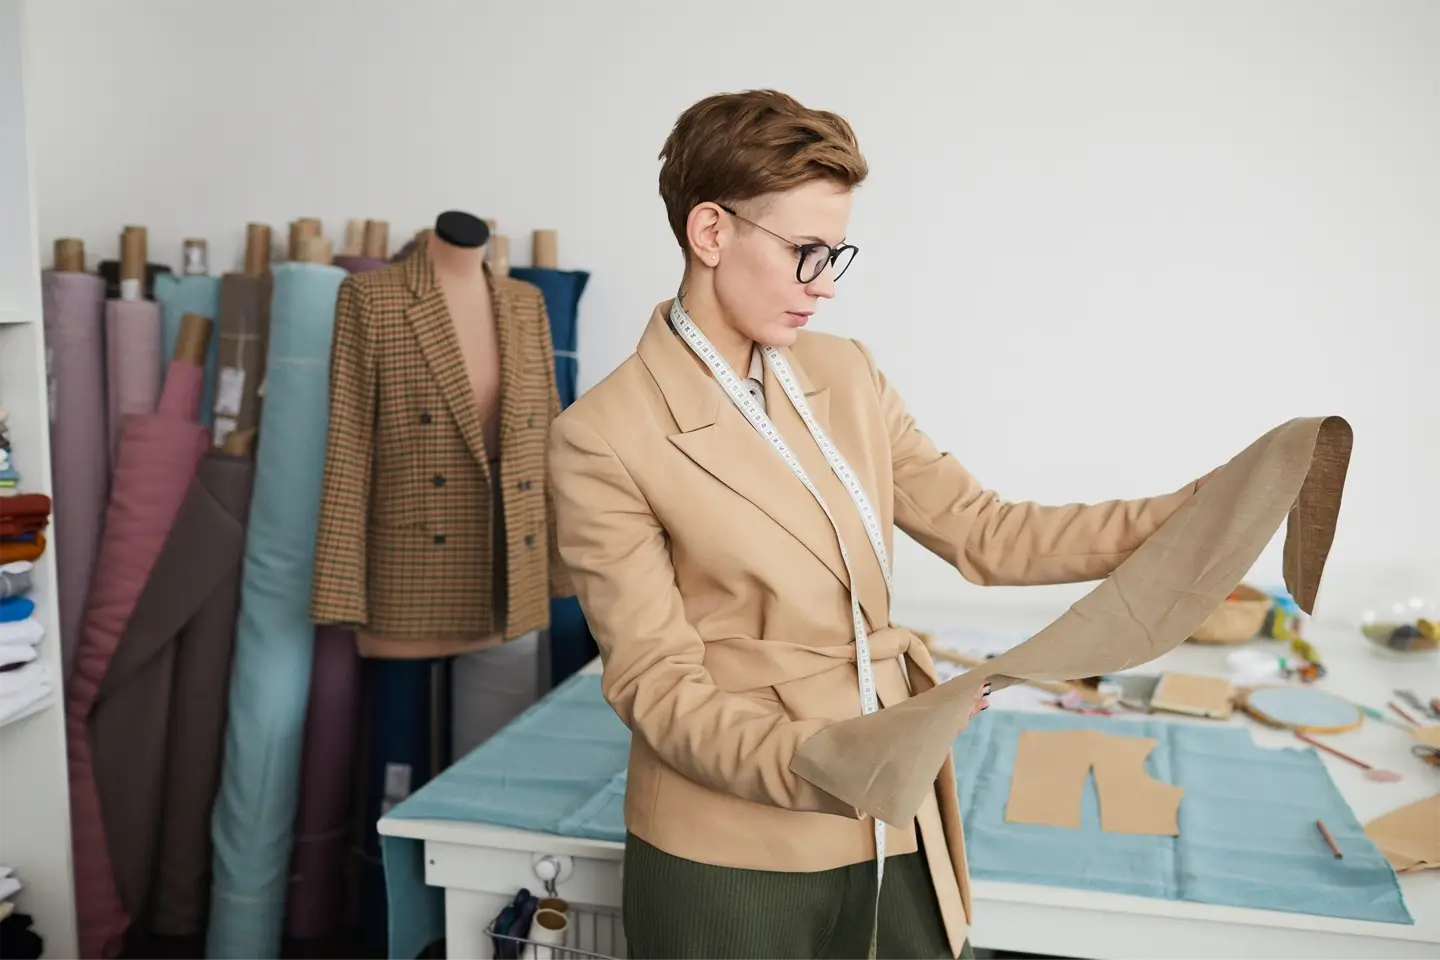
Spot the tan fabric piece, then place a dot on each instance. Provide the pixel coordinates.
(1194, 694)
(885, 763)
(1409, 837)
(1051, 767)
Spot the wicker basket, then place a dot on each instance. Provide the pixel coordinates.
(1236, 620)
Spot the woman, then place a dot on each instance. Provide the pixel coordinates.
(726, 502)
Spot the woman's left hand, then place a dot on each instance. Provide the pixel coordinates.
(982, 700)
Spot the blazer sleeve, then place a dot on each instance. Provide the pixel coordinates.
(992, 541)
(654, 673)
(338, 593)
(560, 585)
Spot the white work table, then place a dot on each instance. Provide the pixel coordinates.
(481, 867)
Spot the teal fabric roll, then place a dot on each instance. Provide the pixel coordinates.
(178, 296)
(254, 819)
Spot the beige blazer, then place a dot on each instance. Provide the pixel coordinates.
(715, 588)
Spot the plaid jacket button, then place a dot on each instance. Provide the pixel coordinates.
(530, 420)
(425, 417)
(438, 480)
(439, 539)
(523, 485)
(529, 539)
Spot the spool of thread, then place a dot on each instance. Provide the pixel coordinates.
(257, 249)
(69, 255)
(193, 339)
(134, 248)
(354, 238)
(545, 249)
(306, 228)
(499, 254)
(315, 250)
(377, 239)
(196, 258)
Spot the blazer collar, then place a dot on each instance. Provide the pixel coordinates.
(718, 438)
(434, 328)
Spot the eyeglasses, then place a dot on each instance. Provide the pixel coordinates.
(813, 257)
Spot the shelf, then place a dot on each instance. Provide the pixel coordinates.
(14, 317)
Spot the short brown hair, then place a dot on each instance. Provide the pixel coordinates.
(733, 147)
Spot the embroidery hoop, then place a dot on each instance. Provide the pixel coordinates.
(1287, 707)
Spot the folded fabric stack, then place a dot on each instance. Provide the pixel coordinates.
(25, 685)
(17, 940)
(23, 519)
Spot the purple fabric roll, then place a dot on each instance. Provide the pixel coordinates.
(359, 264)
(74, 309)
(315, 904)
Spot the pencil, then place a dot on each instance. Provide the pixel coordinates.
(1405, 716)
(1325, 832)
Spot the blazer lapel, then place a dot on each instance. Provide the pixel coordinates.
(718, 438)
(869, 578)
(435, 332)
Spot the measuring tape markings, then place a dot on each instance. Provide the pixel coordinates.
(753, 412)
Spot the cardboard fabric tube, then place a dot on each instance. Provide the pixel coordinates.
(305, 228)
(499, 254)
(69, 255)
(196, 258)
(257, 249)
(377, 239)
(354, 238)
(545, 249)
(194, 339)
(315, 250)
(133, 251)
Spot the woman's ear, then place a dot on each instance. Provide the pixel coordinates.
(704, 229)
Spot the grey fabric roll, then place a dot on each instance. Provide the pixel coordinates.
(491, 687)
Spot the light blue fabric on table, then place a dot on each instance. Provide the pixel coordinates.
(254, 818)
(178, 296)
(1247, 824)
(1247, 818)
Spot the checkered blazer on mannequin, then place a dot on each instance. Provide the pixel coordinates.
(404, 546)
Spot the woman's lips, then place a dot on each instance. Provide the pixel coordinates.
(798, 319)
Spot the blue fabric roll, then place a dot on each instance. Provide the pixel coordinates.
(253, 823)
(178, 296)
(571, 643)
(562, 290)
(399, 699)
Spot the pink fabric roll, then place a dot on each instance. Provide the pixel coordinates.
(74, 309)
(156, 461)
(133, 361)
(360, 264)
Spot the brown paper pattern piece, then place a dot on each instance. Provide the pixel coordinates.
(1410, 836)
(884, 764)
(1051, 767)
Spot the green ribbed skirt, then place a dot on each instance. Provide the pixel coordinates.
(680, 909)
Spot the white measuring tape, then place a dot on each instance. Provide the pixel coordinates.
(726, 377)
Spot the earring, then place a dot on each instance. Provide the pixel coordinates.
(713, 258)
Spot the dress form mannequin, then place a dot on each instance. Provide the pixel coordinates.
(490, 683)
(457, 248)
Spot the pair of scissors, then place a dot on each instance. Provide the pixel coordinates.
(1429, 709)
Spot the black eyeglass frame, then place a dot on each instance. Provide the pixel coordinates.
(803, 250)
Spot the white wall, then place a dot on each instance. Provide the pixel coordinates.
(1104, 246)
